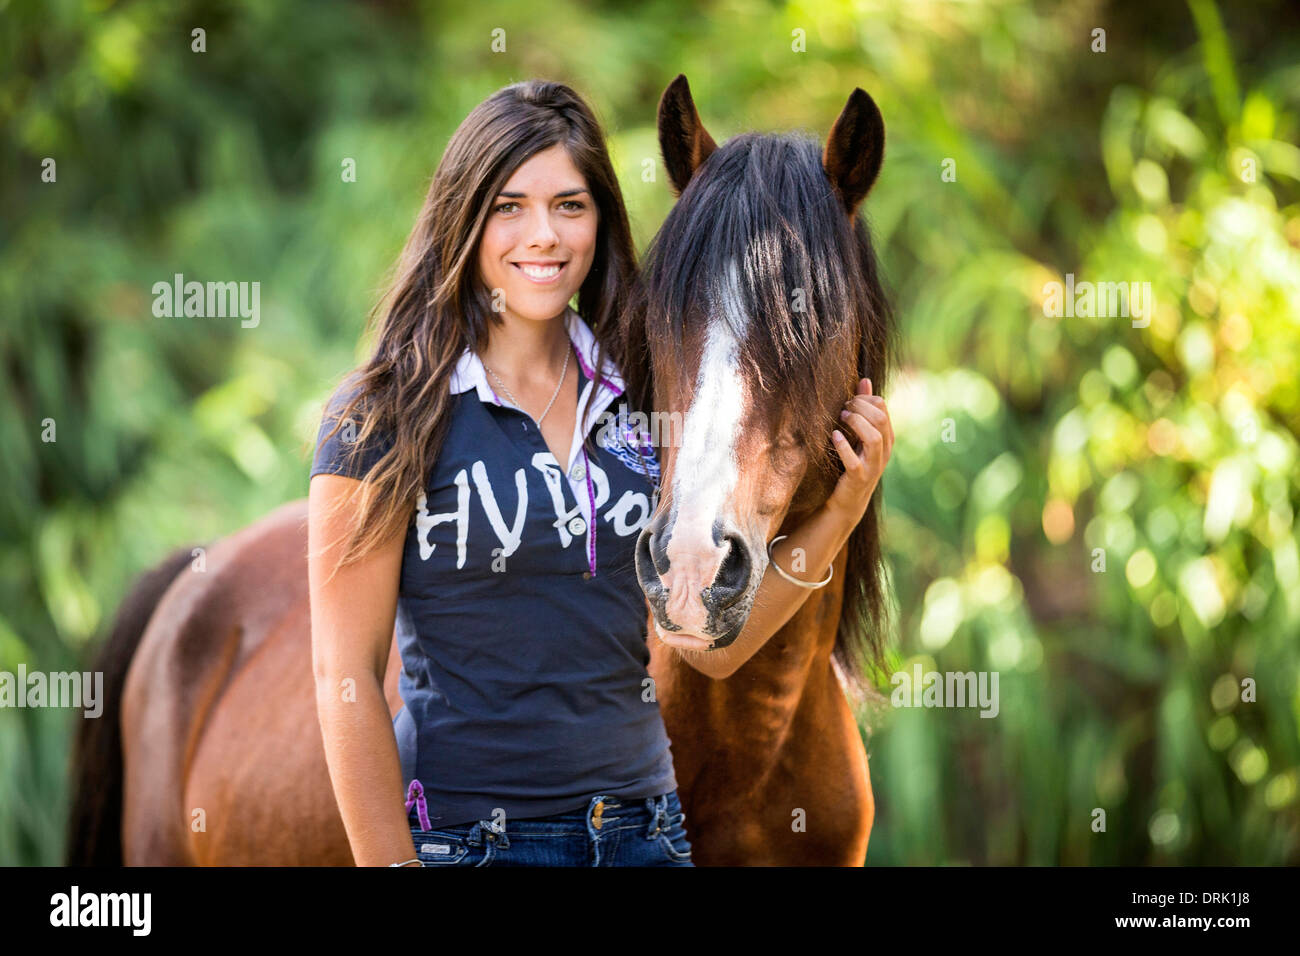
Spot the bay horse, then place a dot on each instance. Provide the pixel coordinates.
(209, 751)
(762, 308)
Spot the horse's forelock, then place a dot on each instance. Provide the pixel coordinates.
(760, 226)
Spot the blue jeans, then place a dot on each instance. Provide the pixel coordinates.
(610, 831)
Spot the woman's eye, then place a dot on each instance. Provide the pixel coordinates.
(573, 205)
(502, 207)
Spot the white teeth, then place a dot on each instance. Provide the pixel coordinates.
(540, 272)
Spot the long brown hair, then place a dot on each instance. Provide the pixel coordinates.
(436, 306)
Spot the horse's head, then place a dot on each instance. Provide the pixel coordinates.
(762, 309)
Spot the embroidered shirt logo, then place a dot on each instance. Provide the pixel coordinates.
(632, 448)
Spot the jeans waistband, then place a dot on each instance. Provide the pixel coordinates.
(601, 814)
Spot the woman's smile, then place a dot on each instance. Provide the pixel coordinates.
(541, 273)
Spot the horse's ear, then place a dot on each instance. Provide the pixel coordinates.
(855, 149)
(682, 137)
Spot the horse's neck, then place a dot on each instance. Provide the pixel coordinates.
(744, 727)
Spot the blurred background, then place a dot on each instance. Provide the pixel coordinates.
(1104, 515)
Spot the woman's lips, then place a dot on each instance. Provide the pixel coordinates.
(539, 274)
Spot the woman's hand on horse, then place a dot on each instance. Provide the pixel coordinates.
(868, 416)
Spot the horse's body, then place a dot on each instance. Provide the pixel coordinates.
(221, 759)
(222, 754)
(224, 765)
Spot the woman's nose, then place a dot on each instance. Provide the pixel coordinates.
(542, 233)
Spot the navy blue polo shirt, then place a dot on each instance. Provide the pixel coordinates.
(524, 677)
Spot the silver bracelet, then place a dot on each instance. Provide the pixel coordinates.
(792, 580)
(408, 862)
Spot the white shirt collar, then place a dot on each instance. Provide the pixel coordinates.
(470, 373)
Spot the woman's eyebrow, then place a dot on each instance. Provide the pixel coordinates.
(567, 192)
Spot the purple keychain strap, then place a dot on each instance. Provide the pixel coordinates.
(415, 797)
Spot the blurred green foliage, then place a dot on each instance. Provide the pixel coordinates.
(1032, 451)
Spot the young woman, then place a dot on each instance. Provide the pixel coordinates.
(454, 499)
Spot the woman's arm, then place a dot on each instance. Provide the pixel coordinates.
(352, 620)
(819, 539)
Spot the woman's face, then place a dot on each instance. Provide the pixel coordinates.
(540, 237)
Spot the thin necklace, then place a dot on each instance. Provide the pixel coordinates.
(554, 395)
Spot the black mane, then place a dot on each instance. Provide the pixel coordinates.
(763, 202)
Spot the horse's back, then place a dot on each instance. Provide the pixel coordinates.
(223, 759)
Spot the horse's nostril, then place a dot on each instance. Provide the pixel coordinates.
(658, 555)
(736, 565)
(732, 580)
(651, 558)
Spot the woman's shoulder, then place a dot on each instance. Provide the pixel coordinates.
(340, 449)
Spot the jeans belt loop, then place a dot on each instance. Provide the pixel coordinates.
(656, 806)
(485, 831)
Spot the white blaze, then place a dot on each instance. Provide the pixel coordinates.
(707, 467)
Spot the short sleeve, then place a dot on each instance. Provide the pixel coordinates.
(338, 454)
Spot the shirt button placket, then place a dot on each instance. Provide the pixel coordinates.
(577, 525)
